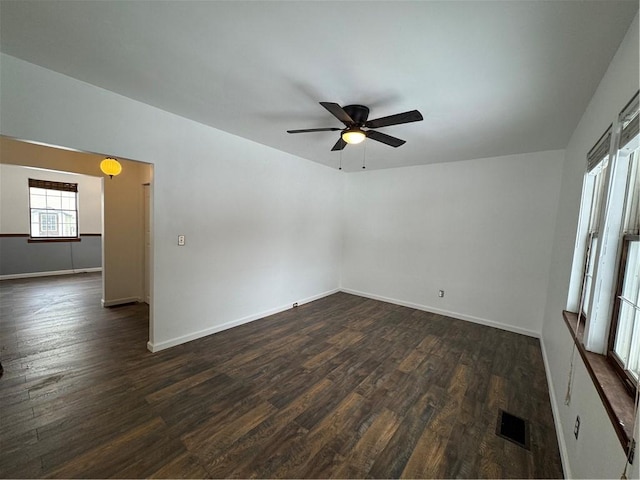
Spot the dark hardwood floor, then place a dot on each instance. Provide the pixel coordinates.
(342, 387)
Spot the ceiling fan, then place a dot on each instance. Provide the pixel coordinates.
(355, 119)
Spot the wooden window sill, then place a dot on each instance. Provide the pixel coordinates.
(615, 397)
(50, 240)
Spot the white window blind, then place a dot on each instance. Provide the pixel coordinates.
(599, 151)
(629, 121)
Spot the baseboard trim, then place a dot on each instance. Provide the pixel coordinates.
(564, 456)
(51, 273)
(120, 301)
(156, 347)
(447, 313)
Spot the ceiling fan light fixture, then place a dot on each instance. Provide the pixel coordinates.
(353, 136)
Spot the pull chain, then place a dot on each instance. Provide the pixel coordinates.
(364, 155)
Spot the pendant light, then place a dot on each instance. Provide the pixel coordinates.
(110, 166)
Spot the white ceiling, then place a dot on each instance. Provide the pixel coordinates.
(491, 78)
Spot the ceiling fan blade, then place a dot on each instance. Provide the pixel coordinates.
(330, 129)
(398, 118)
(340, 144)
(337, 111)
(384, 138)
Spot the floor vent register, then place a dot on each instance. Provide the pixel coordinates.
(513, 428)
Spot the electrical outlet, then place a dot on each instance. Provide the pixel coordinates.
(576, 429)
(441, 293)
(295, 305)
(181, 240)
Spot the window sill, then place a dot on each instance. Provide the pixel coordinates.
(31, 239)
(615, 397)
(50, 240)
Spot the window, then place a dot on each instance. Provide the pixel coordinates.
(603, 311)
(593, 200)
(608, 249)
(53, 209)
(594, 190)
(624, 337)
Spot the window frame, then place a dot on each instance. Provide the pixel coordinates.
(629, 141)
(627, 378)
(592, 240)
(589, 273)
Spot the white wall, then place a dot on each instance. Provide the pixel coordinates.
(481, 230)
(262, 227)
(597, 454)
(14, 198)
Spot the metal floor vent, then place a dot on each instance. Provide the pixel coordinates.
(514, 429)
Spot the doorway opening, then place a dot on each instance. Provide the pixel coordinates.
(119, 243)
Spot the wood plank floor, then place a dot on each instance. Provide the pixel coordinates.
(344, 387)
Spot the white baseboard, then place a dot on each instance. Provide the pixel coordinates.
(459, 316)
(120, 301)
(156, 347)
(50, 273)
(564, 456)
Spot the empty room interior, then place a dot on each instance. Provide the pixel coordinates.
(319, 239)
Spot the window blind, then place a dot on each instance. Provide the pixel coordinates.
(632, 204)
(596, 202)
(63, 186)
(629, 120)
(599, 151)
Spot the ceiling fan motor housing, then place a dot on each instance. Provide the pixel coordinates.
(358, 113)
